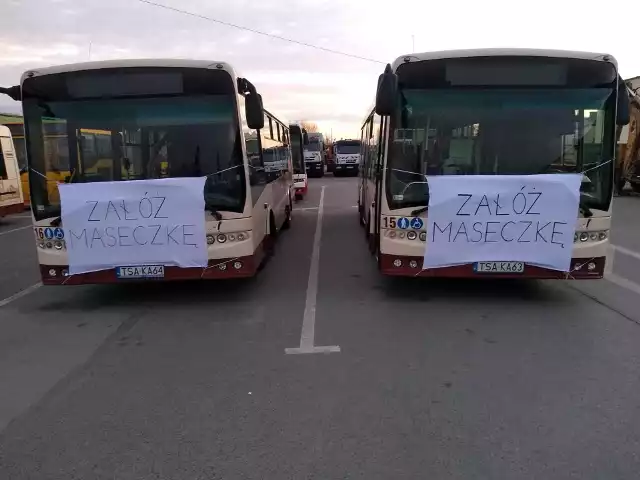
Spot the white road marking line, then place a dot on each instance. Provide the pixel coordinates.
(306, 208)
(623, 282)
(22, 293)
(309, 320)
(14, 230)
(626, 251)
(611, 256)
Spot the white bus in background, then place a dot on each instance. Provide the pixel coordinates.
(11, 200)
(314, 155)
(299, 139)
(346, 154)
(163, 114)
(487, 112)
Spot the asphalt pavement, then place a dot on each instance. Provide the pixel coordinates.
(320, 368)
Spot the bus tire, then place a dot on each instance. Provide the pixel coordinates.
(269, 243)
(288, 214)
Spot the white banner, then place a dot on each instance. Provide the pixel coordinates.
(133, 223)
(525, 218)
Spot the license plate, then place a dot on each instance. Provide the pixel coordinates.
(141, 271)
(498, 267)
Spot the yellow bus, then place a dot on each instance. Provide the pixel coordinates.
(10, 192)
(92, 145)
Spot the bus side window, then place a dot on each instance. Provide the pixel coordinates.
(255, 159)
(3, 166)
(380, 127)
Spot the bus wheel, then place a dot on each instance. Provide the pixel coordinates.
(269, 243)
(288, 213)
(370, 237)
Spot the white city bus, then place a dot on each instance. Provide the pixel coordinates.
(483, 112)
(11, 200)
(163, 118)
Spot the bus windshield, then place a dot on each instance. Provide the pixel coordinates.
(313, 146)
(137, 138)
(347, 148)
(478, 131)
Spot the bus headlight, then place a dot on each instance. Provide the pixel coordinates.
(222, 238)
(411, 235)
(423, 236)
(241, 236)
(58, 245)
(211, 239)
(596, 236)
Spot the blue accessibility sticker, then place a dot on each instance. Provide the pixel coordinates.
(48, 233)
(58, 233)
(403, 223)
(416, 223)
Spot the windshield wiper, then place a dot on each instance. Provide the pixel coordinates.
(420, 210)
(584, 209)
(215, 213)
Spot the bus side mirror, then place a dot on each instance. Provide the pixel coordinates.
(305, 138)
(623, 116)
(254, 111)
(387, 92)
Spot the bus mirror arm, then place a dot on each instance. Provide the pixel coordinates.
(13, 92)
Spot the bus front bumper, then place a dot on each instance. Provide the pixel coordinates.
(405, 266)
(346, 167)
(12, 209)
(219, 268)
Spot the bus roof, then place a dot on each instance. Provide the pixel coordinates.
(144, 62)
(502, 52)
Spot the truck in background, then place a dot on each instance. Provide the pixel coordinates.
(314, 155)
(628, 158)
(347, 157)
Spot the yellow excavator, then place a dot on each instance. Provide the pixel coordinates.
(628, 158)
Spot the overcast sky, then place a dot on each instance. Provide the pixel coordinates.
(298, 82)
